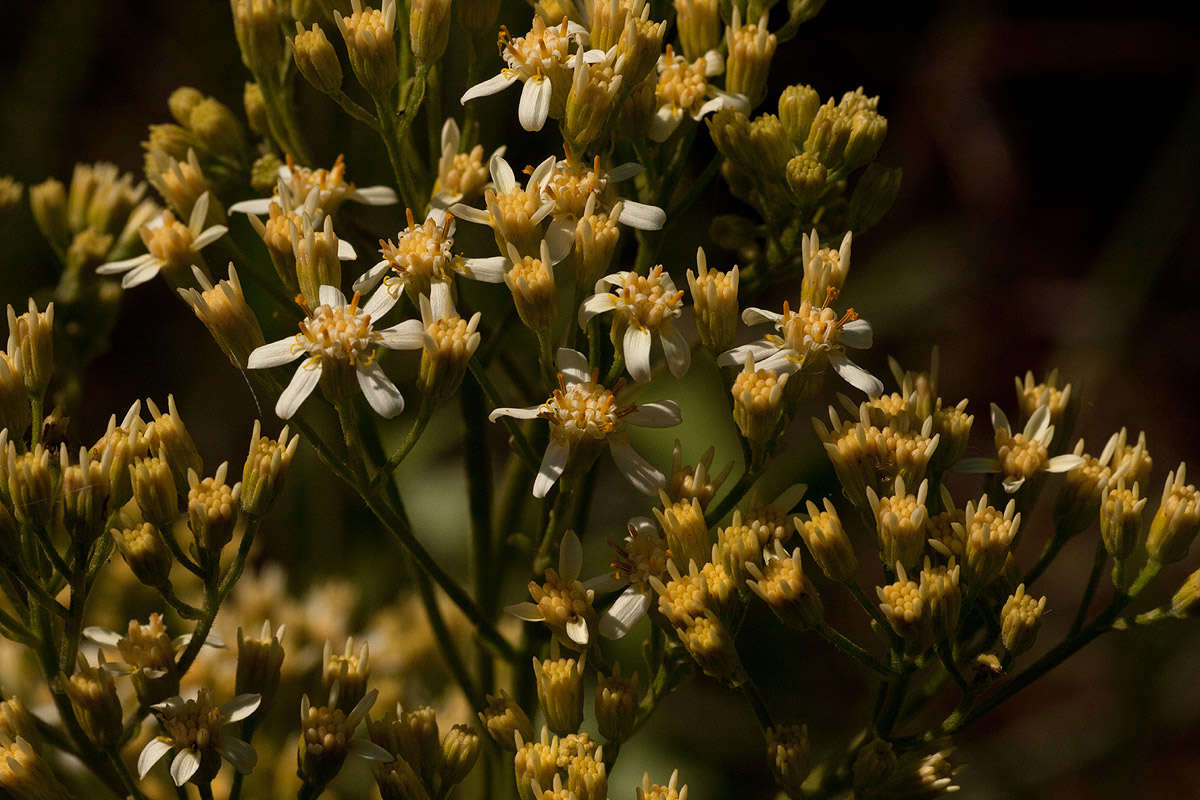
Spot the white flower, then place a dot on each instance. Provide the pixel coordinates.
(1022, 455)
(541, 59)
(583, 414)
(642, 556)
(514, 214)
(811, 336)
(170, 244)
(644, 305)
(295, 184)
(423, 255)
(563, 602)
(460, 175)
(683, 88)
(286, 218)
(195, 729)
(341, 333)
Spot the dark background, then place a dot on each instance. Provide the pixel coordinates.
(1048, 218)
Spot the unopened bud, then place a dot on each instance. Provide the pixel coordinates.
(1121, 519)
(266, 465)
(154, 489)
(616, 705)
(531, 281)
(1186, 602)
(827, 542)
(1176, 521)
(1019, 621)
(560, 692)
(166, 433)
(182, 101)
(460, 751)
(797, 109)
(259, 661)
(255, 106)
(781, 583)
(787, 754)
(93, 696)
(212, 509)
(317, 262)
(502, 718)
(806, 178)
(145, 553)
(370, 36)
(751, 48)
(715, 300)
(214, 124)
(31, 346)
(259, 35)
(316, 59)
(48, 202)
(429, 29)
(758, 402)
(873, 196)
(224, 311)
(699, 24)
(904, 608)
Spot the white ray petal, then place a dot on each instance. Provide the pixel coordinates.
(308, 374)
(382, 395)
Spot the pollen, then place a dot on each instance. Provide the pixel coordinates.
(680, 84)
(171, 242)
(342, 334)
(581, 411)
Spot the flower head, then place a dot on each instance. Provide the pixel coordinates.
(461, 176)
(683, 89)
(583, 414)
(338, 334)
(195, 729)
(296, 183)
(563, 602)
(514, 213)
(171, 247)
(644, 305)
(1021, 456)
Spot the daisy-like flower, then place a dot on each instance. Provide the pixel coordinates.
(683, 89)
(542, 60)
(644, 305)
(570, 184)
(286, 218)
(809, 338)
(337, 335)
(172, 248)
(195, 729)
(642, 556)
(333, 189)
(1021, 456)
(582, 415)
(447, 339)
(563, 602)
(423, 255)
(461, 176)
(514, 213)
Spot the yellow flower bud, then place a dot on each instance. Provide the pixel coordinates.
(316, 58)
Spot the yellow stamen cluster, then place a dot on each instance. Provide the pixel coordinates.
(711, 645)
(576, 745)
(587, 777)
(560, 601)
(681, 85)
(781, 583)
(148, 646)
(1020, 457)
(581, 411)
(827, 541)
(421, 253)
(900, 521)
(902, 604)
(682, 523)
(348, 670)
(94, 697)
(1019, 620)
(687, 482)
(342, 334)
(171, 242)
(672, 791)
(683, 598)
(463, 174)
(560, 692)
(194, 725)
(758, 402)
(1031, 396)
(543, 50)
(642, 555)
(24, 774)
(503, 719)
(536, 761)
(646, 301)
(943, 537)
(737, 545)
(714, 300)
(1121, 519)
(616, 705)
(1133, 461)
(531, 281)
(512, 214)
(1177, 520)
(811, 327)
(571, 183)
(988, 535)
(943, 599)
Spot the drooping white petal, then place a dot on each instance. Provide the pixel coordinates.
(331, 296)
(560, 238)
(1038, 421)
(714, 63)
(370, 279)
(258, 206)
(659, 414)
(577, 631)
(440, 301)
(642, 216)
(855, 375)
(676, 349)
(450, 135)
(552, 467)
(382, 395)
(760, 350)
(1063, 463)
(308, 374)
(375, 196)
(977, 466)
(1012, 484)
(365, 748)
(346, 251)
(636, 347)
(596, 304)
(139, 275)
(151, 754)
(605, 583)
(857, 334)
(208, 236)
(534, 107)
(380, 303)
(664, 122)
(623, 614)
(184, 766)
(117, 267)
(480, 216)
(241, 707)
(487, 270)
(637, 470)
(759, 316)
(542, 173)
(526, 611)
(102, 636)
(275, 354)
(496, 83)
(238, 753)
(573, 365)
(502, 174)
(1000, 420)
(570, 556)
(515, 413)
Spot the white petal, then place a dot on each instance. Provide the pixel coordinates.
(573, 365)
(592, 56)
(258, 207)
(502, 174)
(496, 83)
(209, 236)
(450, 135)
(331, 296)
(659, 414)
(370, 279)
(577, 631)
(238, 753)
(977, 466)
(1000, 419)
(526, 611)
(440, 301)
(553, 464)
(623, 614)
(1037, 422)
(760, 350)
(407, 335)
(380, 303)
(534, 107)
(596, 304)
(636, 347)
(382, 395)
(623, 172)
(151, 754)
(480, 216)
(1063, 463)
(241, 707)
(274, 354)
(488, 270)
(117, 267)
(103, 636)
(570, 556)
(714, 63)
(560, 238)
(855, 375)
(184, 766)
(308, 374)
(365, 748)
(759, 316)
(1011, 485)
(346, 251)
(139, 275)
(856, 334)
(663, 123)
(607, 583)
(515, 413)
(642, 216)
(375, 196)
(676, 349)
(637, 470)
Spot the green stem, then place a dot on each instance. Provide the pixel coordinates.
(433, 114)
(952, 668)
(355, 110)
(478, 463)
(523, 448)
(853, 649)
(35, 429)
(424, 414)
(122, 771)
(895, 699)
(874, 612)
(449, 650)
(757, 703)
(733, 497)
(1098, 561)
(389, 132)
(552, 534)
